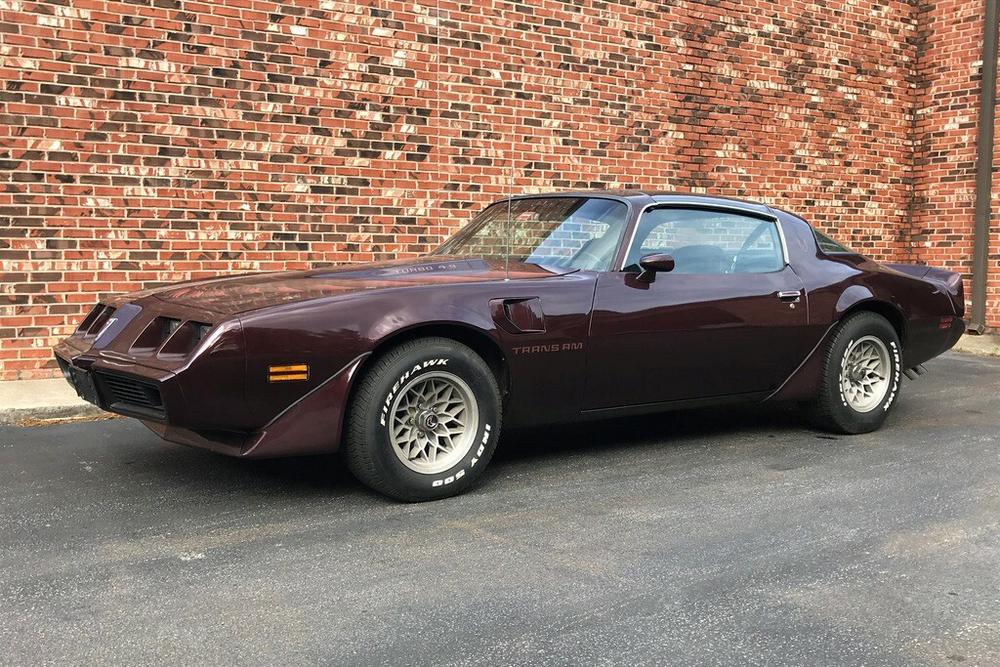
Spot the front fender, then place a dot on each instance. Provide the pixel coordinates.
(324, 336)
(403, 315)
(311, 425)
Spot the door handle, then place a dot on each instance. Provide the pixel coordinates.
(790, 295)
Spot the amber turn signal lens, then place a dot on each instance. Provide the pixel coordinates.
(287, 373)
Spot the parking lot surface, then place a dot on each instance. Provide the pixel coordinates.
(710, 537)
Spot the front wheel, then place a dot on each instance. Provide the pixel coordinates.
(424, 420)
(861, 375)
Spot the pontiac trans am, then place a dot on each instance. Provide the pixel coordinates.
(543, 309)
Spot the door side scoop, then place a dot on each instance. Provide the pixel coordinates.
(519, 316)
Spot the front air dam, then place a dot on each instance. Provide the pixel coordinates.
(311, 425)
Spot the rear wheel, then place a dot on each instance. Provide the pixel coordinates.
(424, 420)
(861, 375)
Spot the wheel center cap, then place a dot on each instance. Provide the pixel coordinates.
(428, 420)
(856, 374)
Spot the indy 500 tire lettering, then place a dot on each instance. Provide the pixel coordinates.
(424, 420)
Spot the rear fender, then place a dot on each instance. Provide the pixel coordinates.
(804, 382)
(851, 297)
(946, 282)
(858, 297)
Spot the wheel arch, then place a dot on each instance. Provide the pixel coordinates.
(858, 298)
(476, 339)
(886, 310)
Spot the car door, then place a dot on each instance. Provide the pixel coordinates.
(729, 319)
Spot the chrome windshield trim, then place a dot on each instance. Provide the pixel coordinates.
(754, 212)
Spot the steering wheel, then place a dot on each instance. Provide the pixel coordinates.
(752, 238)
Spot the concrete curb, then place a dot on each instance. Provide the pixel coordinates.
(22, 400)
(985, 345)
(15, 416)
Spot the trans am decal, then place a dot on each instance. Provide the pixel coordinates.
(554, 347)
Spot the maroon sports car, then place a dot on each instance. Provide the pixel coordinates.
(543, 309)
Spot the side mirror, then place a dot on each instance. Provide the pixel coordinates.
(653, 264)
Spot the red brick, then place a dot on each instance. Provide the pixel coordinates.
(144, 144)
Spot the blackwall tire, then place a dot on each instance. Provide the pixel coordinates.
(423, 421)
(861, 375)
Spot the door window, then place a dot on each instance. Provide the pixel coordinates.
(708, 242)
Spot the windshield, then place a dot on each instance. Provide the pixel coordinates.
(561, 232)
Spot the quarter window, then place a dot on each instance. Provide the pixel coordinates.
(708, 242)
(828, 245)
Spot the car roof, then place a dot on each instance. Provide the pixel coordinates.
(659, 196)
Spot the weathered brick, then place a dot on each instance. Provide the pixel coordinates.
(947, 75)
(164, 141)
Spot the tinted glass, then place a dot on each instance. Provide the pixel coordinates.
(561, 232)
(708, 242)
(826, 244)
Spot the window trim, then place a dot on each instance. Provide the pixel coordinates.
(722, 208)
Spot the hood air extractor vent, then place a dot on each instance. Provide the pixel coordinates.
(169, 337)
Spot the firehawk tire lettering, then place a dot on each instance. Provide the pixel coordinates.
(897, 364)
(402, 380)
(448, 480)
(380, 454)
(482, 447)
(831, 409)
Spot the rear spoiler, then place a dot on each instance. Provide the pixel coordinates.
(946, 281)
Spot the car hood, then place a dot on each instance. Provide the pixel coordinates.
(242, 293)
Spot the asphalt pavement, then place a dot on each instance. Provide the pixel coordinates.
(710, 537)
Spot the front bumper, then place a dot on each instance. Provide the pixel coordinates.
(148, 396)
(312, 425)
(117, 392)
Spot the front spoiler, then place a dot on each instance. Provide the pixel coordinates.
(311, 425)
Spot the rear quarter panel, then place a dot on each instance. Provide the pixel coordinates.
(837, 283)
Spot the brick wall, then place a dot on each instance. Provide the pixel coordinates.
(948, 77)
(145, 144)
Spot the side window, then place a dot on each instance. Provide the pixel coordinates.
(708, 242)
